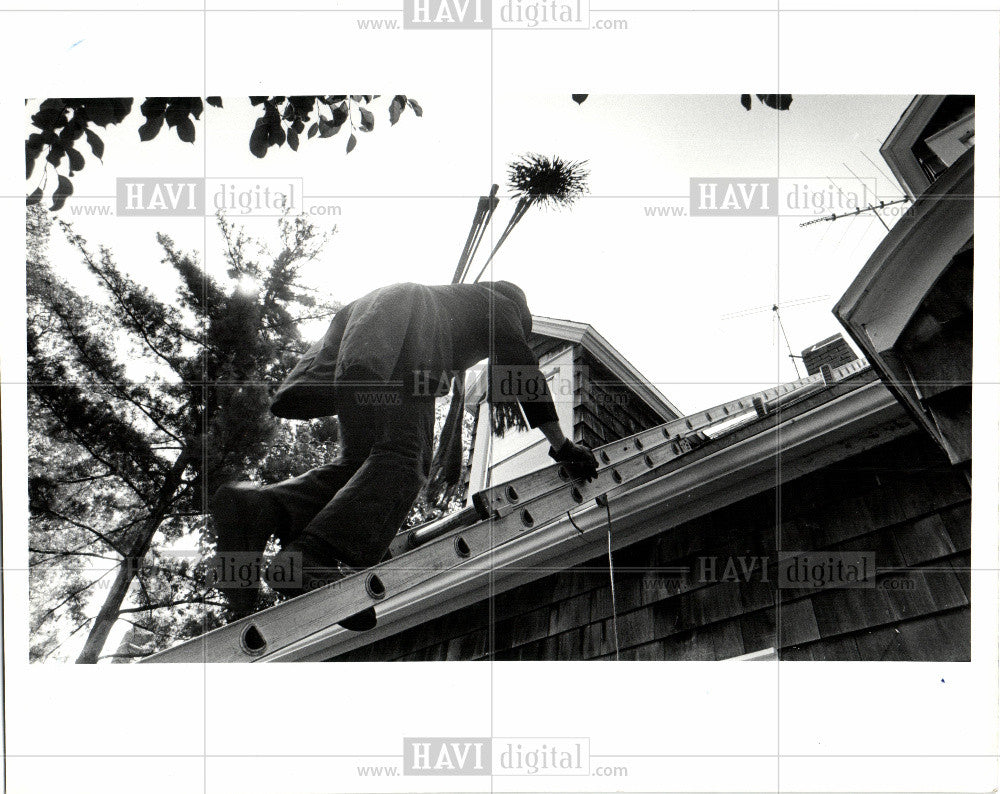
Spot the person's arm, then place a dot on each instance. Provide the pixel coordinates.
(579, 459)
(511, 348)
(515, 373)
(553, 434)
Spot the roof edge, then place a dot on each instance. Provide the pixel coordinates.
(586, 335)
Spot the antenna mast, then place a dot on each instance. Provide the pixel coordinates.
(791, 355)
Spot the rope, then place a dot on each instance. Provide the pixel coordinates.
(576, 526)
(611, 574)
(611, 570)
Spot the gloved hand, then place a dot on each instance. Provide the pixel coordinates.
(579, 460)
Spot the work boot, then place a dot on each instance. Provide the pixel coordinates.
(316, 574)
(245, 518)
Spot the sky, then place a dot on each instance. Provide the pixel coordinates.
(686, 299)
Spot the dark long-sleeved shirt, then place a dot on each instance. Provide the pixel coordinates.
(420, 337)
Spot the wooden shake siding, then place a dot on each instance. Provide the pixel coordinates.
(901, 500)
(605, 408)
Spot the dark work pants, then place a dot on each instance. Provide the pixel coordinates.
(350, 509)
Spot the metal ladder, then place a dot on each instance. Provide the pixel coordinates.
(498, 515)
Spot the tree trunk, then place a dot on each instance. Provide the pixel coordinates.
(108, 614)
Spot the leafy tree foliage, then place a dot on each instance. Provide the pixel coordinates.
(774, 101)
(62, 125)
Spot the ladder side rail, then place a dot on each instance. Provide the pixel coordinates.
(504, 497)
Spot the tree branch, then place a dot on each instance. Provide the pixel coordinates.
(165, 604)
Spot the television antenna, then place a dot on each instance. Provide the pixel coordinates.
(776, 309)
(870, 208)
(873, 208)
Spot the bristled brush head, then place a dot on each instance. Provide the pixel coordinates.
(548, 181)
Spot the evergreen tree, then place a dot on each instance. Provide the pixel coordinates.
(121, 466)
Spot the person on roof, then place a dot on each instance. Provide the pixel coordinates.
(379, 367)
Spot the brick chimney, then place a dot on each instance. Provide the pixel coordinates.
(833, 350)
